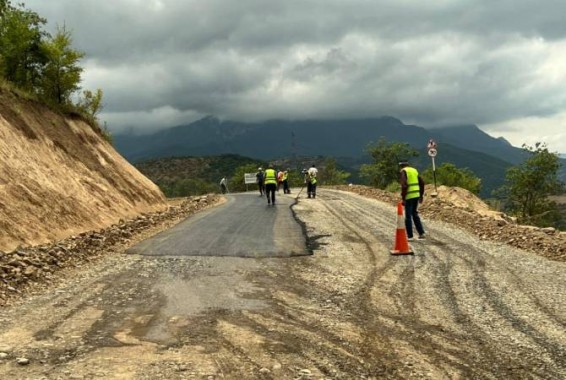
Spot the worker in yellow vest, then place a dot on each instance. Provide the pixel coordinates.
(270, 182)
(286, 189)
(412, 193)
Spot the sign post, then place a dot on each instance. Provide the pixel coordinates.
(249, 178)
(432, 152)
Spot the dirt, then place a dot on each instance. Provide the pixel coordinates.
(459, 308)
(59, 177)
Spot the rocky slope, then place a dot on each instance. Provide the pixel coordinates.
(59, 177)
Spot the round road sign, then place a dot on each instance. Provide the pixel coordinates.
(432, 152)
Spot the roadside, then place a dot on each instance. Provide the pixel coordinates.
(30, 270)
(461, 208)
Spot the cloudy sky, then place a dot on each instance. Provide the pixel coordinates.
(498, 64)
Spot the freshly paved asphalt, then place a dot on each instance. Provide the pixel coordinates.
(245, 226)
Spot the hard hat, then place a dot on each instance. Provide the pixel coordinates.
(259, 169)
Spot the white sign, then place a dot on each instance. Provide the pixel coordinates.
(250, 178)
(432, 152)
(431, 144)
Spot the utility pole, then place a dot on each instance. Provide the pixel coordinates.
(294, 150)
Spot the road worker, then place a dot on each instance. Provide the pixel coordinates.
(311, 181)
(279, 180)
(259, 178)
(412, 193)
(223, 185)
(270, 182)
(286, 189)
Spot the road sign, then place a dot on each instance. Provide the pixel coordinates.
(250, 178)
(431, 144)
(432, 152)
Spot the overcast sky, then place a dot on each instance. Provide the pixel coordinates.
(498, 64)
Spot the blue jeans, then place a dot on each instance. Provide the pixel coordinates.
(412, 215)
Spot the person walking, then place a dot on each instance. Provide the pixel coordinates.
(223, 185)
(311, 181)
(259, 177)
(279, 180)
(412, 193)
(286, 189)
(270, 184)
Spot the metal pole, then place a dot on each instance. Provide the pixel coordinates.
(434, 177)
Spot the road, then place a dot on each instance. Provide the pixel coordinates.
(460, 308)
(243, 227)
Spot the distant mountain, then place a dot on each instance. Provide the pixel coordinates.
(465, 146)
(472, 138)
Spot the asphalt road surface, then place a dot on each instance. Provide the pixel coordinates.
(459, 308)
(245, 226)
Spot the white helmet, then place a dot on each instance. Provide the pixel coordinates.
(259, 169)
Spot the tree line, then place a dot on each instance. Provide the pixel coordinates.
(43, 65)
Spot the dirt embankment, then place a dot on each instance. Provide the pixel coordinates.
(461, 208)
(58, 177)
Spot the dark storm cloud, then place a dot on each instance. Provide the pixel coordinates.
(430, 63)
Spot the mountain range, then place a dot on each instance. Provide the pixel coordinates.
(346, 140)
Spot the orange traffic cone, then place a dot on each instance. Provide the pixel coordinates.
(401, 242)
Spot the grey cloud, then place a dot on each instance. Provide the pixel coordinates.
(428, 62)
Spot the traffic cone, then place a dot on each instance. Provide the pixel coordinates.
(401, 242)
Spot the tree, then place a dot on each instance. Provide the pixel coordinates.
(90, 103)
(21, 57)
(385, 168)
(62, 74)
(449, 175)
(528, 186)
(236, 183)
(330, 175)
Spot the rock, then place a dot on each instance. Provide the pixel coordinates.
(22, 361)
(3, 355)
(264, 371)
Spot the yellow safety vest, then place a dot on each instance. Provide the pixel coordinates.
(285, 175)
(413, 190)
(312, 179)
(270, 177)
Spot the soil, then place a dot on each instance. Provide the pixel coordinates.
(59, 177)
(460, 307)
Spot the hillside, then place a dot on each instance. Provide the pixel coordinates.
(58, 177)
(181, 176)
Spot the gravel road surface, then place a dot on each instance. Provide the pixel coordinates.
(460, 308)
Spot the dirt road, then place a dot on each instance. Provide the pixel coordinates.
(460, 308)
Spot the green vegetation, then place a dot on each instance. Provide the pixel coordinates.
(236, 181)
(385, 168)
(449, 175)
(44, 66)
(184, 176)
(528, 187)
(330, 175)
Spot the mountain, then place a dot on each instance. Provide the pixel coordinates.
(472, 138)
(465, 145)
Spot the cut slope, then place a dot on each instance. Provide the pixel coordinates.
(58, 177)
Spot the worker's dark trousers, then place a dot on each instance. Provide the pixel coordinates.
(261, 188)
(412, 215)
(286, 189)
(270, 190)
(311, 190)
